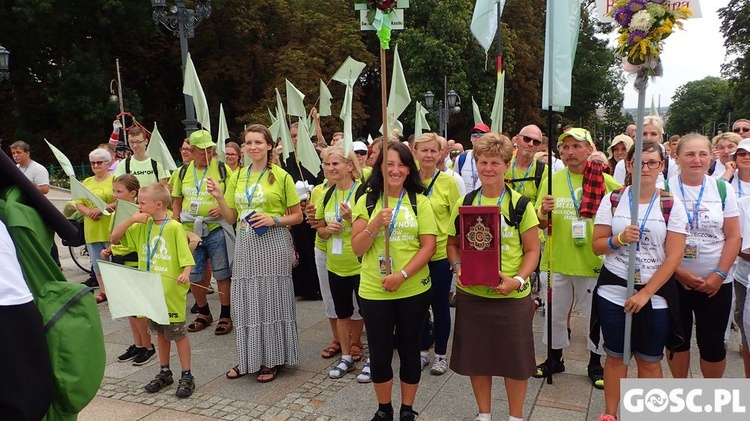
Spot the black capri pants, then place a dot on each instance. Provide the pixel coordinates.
(406, 316)
(342, 288)
(711, 318)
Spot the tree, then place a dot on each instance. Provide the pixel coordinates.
(736, 30)
(699, 105)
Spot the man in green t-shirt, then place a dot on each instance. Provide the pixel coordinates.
(524, 172)
(568, 253)
(199, 212)
(145, 169)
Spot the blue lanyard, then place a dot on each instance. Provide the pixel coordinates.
(576, 205)
(645, 217)
(198, 185)
(513, 174)
(739, 187)
(247, 180)
(395, 213)
(499, 200)
(432, 184)
(150, 253)
(692, 218)
(349, 196)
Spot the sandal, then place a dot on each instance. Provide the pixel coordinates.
(102, 297)
(159, 382)
(265, 371)
(333, 349)
(200, 323)
(548, 368)
(224, 326)
(356, 353)
(236, 371)
(341, 368)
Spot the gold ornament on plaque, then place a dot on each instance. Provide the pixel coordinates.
(479, 235)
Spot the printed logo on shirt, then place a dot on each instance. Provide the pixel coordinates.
(143, 172)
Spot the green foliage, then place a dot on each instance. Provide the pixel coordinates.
(699, 106)
(736, 30)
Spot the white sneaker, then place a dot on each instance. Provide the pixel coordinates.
(365, 376)
(439, 366)
(482, 418)
(424, 361)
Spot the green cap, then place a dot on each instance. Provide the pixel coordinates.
(201, 139)
(577, 133)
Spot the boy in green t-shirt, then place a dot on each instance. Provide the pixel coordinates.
(163, 248)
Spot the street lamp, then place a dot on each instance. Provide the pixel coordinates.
(182, 22)
(719, 126)
(450, 105)
(4, 68)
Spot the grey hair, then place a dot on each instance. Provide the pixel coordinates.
(101, 154)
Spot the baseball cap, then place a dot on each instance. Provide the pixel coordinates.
(577, 133)
(620, 138)
(744, 145)
(359, 146)
(201, 139)
(480, 128)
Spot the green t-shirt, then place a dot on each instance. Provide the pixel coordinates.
(511, 249)
(528, 187)
(443, 197)
(119, 249)
(316, 197)
(366, 171)
(143, 171)
(195, 201)
(341, 259)
(98, 231)
(404, 244)
(268, 199)
(568, 258)
(172, 254)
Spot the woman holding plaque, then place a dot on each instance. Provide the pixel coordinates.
(501, 315)
(395, 292)
(660, 240)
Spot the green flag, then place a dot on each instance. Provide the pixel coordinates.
(124, 211)
(398, 98)
(349, 71)
(79, 191)
(497, 106)
(325, 100)
(274, 127)
(346, 116)
(484, 21)
(477, 113)
(561, 39)
(221, 138)
(654, 110)
(63, 160)
(283, 130)
(420, 121)
(306, 153)
(294, 100)
(192, 87)
(158, 151)
(134, 292)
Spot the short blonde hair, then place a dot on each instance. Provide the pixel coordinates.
(730, 136)
(158, 193)
(655, 121)
(494, 144)
(427, 137)
(338, 149)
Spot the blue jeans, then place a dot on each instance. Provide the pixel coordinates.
(612, 320)
(95, 253)
(215, 247)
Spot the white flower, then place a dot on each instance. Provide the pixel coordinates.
(641, 20)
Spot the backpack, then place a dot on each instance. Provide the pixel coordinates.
(372, 200)
(154, 165)
(538, 172)
(515, 211)
(222, 171)
(719, 185)
(462, 160)
(329, 193)
(666, 202)
(72, 328)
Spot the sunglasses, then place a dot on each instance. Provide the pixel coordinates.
(97, 163)
(741, 129)
(527, 139)
(360, 153)
(476, 134)
(741, 153)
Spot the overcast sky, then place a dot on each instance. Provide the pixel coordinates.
(691, 54)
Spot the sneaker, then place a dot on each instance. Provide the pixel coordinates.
(341, 368)
(159, 382)
(382, 416)
(596, 375)
(129, 354)
(482, 418)
(408, 415)
(365, 376)
(145, 355)
(549, 367)
(439, 366)
(185, 387)
(607, 417)
(424, 361)
(91, 282)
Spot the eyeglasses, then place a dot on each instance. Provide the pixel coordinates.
(650, 164)
(741, 129)
(741, 153)
(97, 163)
(527, 139)
(360, 153)
(232, 155)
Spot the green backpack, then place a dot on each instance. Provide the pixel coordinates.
(73, 328)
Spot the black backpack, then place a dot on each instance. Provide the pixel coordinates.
(372, 200)
(516, 211)
(222, 171)
(154, 165)
(537, 177)
(329, 193)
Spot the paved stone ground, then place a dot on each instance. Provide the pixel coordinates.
(304, 392)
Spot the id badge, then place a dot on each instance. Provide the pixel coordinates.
(383, 266)
(337, 245)
(244, 225)
(691, 249)
(637, 277)
(193, 209)
(579, 230)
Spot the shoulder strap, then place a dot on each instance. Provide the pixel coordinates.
(155, 167)
(666, 168)
(328, 195)
(515, 212)
(127, 165)
(183, 171)
(222, 172)
(666, 202)
(461, 160)
(712, 168)
(722, 191)
(432, 183)
(469, 198)
(370, 202)
(614, 198)
(538, 173)
(413, 200)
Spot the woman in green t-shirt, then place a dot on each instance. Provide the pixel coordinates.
(395, 297)
(500, 316)
(262, 199)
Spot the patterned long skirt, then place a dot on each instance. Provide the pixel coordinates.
(263, 305)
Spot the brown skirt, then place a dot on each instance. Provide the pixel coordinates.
(493, 337)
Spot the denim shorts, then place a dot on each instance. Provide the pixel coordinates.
(213, 246)
(612, 320)
(95, 253)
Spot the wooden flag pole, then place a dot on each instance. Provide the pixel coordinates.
(384, 151)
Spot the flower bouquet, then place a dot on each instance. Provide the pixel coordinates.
(379, 16)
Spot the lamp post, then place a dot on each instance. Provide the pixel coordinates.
(719, 128)
(4, 59)
(450, 104)
(182, 22)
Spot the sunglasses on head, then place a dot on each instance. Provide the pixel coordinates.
(741, 129)
(527, 139)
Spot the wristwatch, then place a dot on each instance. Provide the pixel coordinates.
(521, 280)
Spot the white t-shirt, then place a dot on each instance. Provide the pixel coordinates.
(708, 228)
(461, 185)
(13, 288)
(651, 253)
(558, 165)
(719, 169)
(740, 187)
(36, 173)
(743, 266)
(672, 170)
(468, 171)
